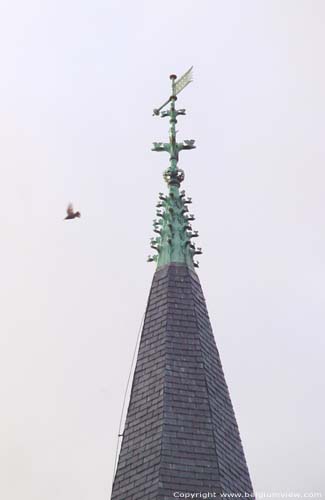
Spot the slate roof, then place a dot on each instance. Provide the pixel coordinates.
(181, 433)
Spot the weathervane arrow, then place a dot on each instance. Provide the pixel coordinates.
(177, 87)
(183, 81)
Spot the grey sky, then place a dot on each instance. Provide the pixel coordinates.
(78, 84)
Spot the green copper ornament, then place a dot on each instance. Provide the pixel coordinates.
(173, 226)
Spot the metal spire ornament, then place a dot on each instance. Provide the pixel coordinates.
(174, 240)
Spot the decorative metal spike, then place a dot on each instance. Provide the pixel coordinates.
(173, 224)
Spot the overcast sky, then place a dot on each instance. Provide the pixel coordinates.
(79, 80)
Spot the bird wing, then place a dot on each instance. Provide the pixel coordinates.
(70, 209)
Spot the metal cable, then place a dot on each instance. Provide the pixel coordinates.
(120, 434)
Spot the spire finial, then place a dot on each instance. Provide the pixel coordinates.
(174, 243)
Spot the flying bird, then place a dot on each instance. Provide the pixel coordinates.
(71, 213)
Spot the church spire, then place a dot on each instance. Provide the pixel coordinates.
(174, 242)
(180, 437)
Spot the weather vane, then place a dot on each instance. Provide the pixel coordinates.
(174, 175)
(177, 87)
